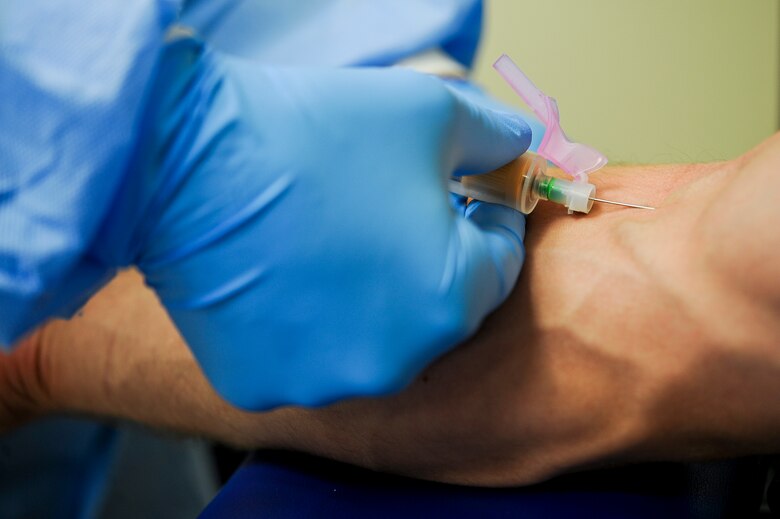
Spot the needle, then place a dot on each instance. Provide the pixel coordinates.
(621, 203)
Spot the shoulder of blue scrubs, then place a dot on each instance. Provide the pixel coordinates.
(337, 32)
(72, 79)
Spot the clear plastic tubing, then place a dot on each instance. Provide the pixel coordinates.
(520, 185)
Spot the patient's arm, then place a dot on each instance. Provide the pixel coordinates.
(631, 335)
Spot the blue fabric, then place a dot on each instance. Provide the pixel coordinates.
(337, 32)
(73, 77)
(54, 468)
(302, 239)
(291, 486)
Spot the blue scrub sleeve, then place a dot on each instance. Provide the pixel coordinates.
(337, 32)
(73, 76)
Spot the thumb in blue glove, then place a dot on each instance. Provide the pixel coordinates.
(297, 228)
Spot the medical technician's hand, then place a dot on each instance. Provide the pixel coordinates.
(297, 228)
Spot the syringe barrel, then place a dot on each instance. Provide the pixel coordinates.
(520, 184)
(510, 185)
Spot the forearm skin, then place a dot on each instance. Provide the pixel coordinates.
(631, 335)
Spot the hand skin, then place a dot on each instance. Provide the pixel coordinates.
(631, 335)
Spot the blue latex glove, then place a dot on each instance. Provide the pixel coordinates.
(297, 228)
(478, 96)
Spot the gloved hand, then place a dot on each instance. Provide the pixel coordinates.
(297, 228)
(477, 96)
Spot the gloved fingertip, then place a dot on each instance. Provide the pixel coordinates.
(518, 126)
(489, 139)
(458, 203)
(496, 250)
(497, 216)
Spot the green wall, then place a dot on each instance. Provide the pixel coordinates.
(653, 81)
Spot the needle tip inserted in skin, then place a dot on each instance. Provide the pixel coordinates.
(621, 203)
